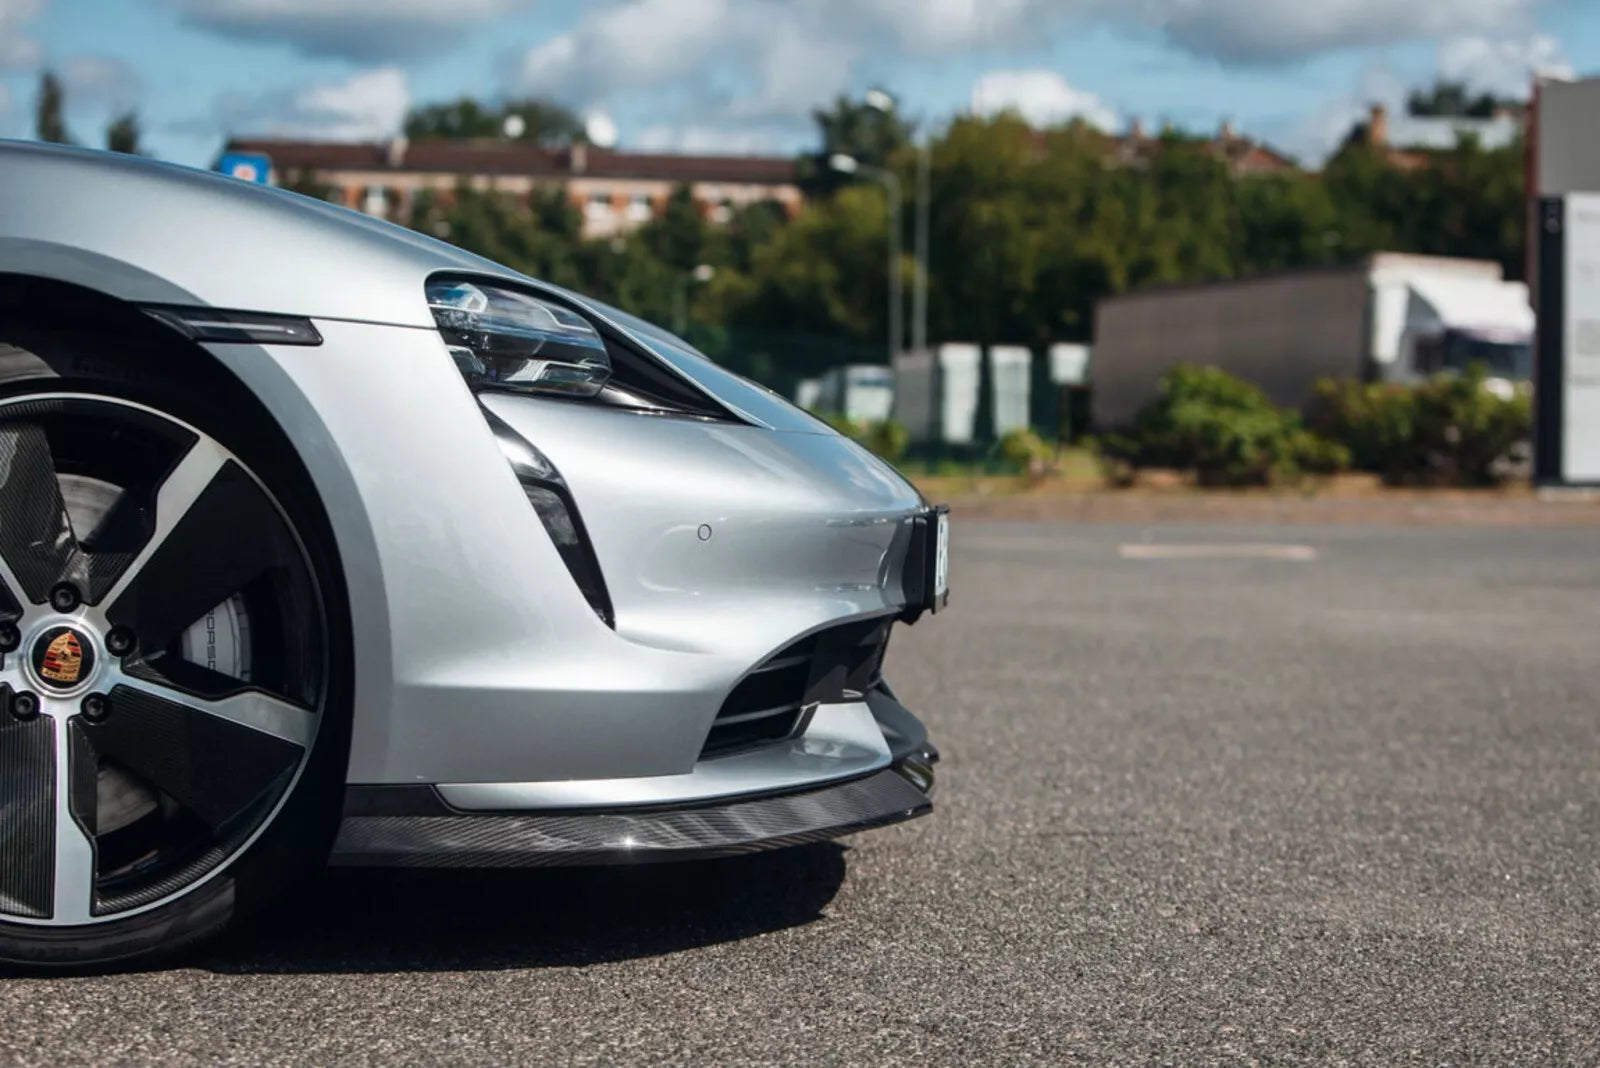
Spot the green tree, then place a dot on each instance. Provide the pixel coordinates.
(1464, 201)
(543, 122)
(1031, 227)
(822, 273)
(873, 136)
(678, 235)
(1372, 199)
(751, 226)
(304, 181)
(1455, 99)
(626, 273)
(1470, 202)
(123, 134)
(1285, 220)
(534, 235)
(984, 239)
(50, 120)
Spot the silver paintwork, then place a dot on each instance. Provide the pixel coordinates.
(74, 874)
(842, 742)
(477, 660)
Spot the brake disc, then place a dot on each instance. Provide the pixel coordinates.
(218, 641)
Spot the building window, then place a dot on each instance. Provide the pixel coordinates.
(722, 210)
(598, 206)
(639, 208)
(376, 201)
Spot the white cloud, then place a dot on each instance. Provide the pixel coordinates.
(935, 26)
(1252, 31)
(1503, 66)
(797, 72)
(778, 56)
(1256, 31)
(710, 140)
(18, 51)
(751, 68)
(636, 44)
(369, 105)
(1043, 97)
(349, 29)
(760, 66)
(747, 71)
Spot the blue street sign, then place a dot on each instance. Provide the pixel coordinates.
(247, 166)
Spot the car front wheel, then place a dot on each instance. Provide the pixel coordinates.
(171, 737)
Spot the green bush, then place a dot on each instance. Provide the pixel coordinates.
(1223, 429)
(1024, 451)
(845, 425)
(885, 438)
(1450, 430)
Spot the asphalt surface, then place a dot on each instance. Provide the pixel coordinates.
(1338, 805)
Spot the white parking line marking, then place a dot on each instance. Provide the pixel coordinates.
(1217, 551)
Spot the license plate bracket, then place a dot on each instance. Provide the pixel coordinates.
(927, 569)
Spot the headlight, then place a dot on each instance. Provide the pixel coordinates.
(503, 339)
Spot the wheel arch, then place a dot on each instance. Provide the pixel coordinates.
(49, 319)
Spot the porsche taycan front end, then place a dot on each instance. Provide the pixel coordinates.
(322, 539)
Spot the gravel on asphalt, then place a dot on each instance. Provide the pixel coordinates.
(1306, 807)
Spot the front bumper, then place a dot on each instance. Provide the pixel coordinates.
(551, 839)
(417, 827)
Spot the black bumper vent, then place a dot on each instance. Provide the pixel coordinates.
(775, 701)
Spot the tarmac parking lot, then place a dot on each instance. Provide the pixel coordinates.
(1240, 794)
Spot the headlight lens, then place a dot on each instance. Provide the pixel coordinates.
(503, 339)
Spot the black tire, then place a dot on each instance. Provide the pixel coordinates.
(141, 363)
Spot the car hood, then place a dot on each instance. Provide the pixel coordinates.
(157, 233)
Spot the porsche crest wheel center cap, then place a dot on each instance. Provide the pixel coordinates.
(62, 658)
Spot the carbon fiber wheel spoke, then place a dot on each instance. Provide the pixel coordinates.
(47, 862)
(253, 709)
(228, 535)
(183, 489)
(210, 763)
(36, 540)
(27, 812)
(10, 606)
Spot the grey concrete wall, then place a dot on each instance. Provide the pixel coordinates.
(1568, 156)
(1282, 332)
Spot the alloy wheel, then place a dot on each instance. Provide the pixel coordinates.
(163, 658)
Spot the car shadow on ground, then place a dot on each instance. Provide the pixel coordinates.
(352, 920)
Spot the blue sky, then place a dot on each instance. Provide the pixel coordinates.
(742, 75)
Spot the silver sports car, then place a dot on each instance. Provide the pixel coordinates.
(320, 538)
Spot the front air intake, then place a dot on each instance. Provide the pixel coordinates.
(775, 700)
(552, 502)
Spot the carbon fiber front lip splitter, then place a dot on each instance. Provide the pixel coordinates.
(533, 840)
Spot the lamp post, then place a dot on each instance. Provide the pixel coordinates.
(919, 291)
(879, 100)
(850, 165)
(680, 295)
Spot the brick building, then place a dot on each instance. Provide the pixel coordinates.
(1243, 155)
(615, 191)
